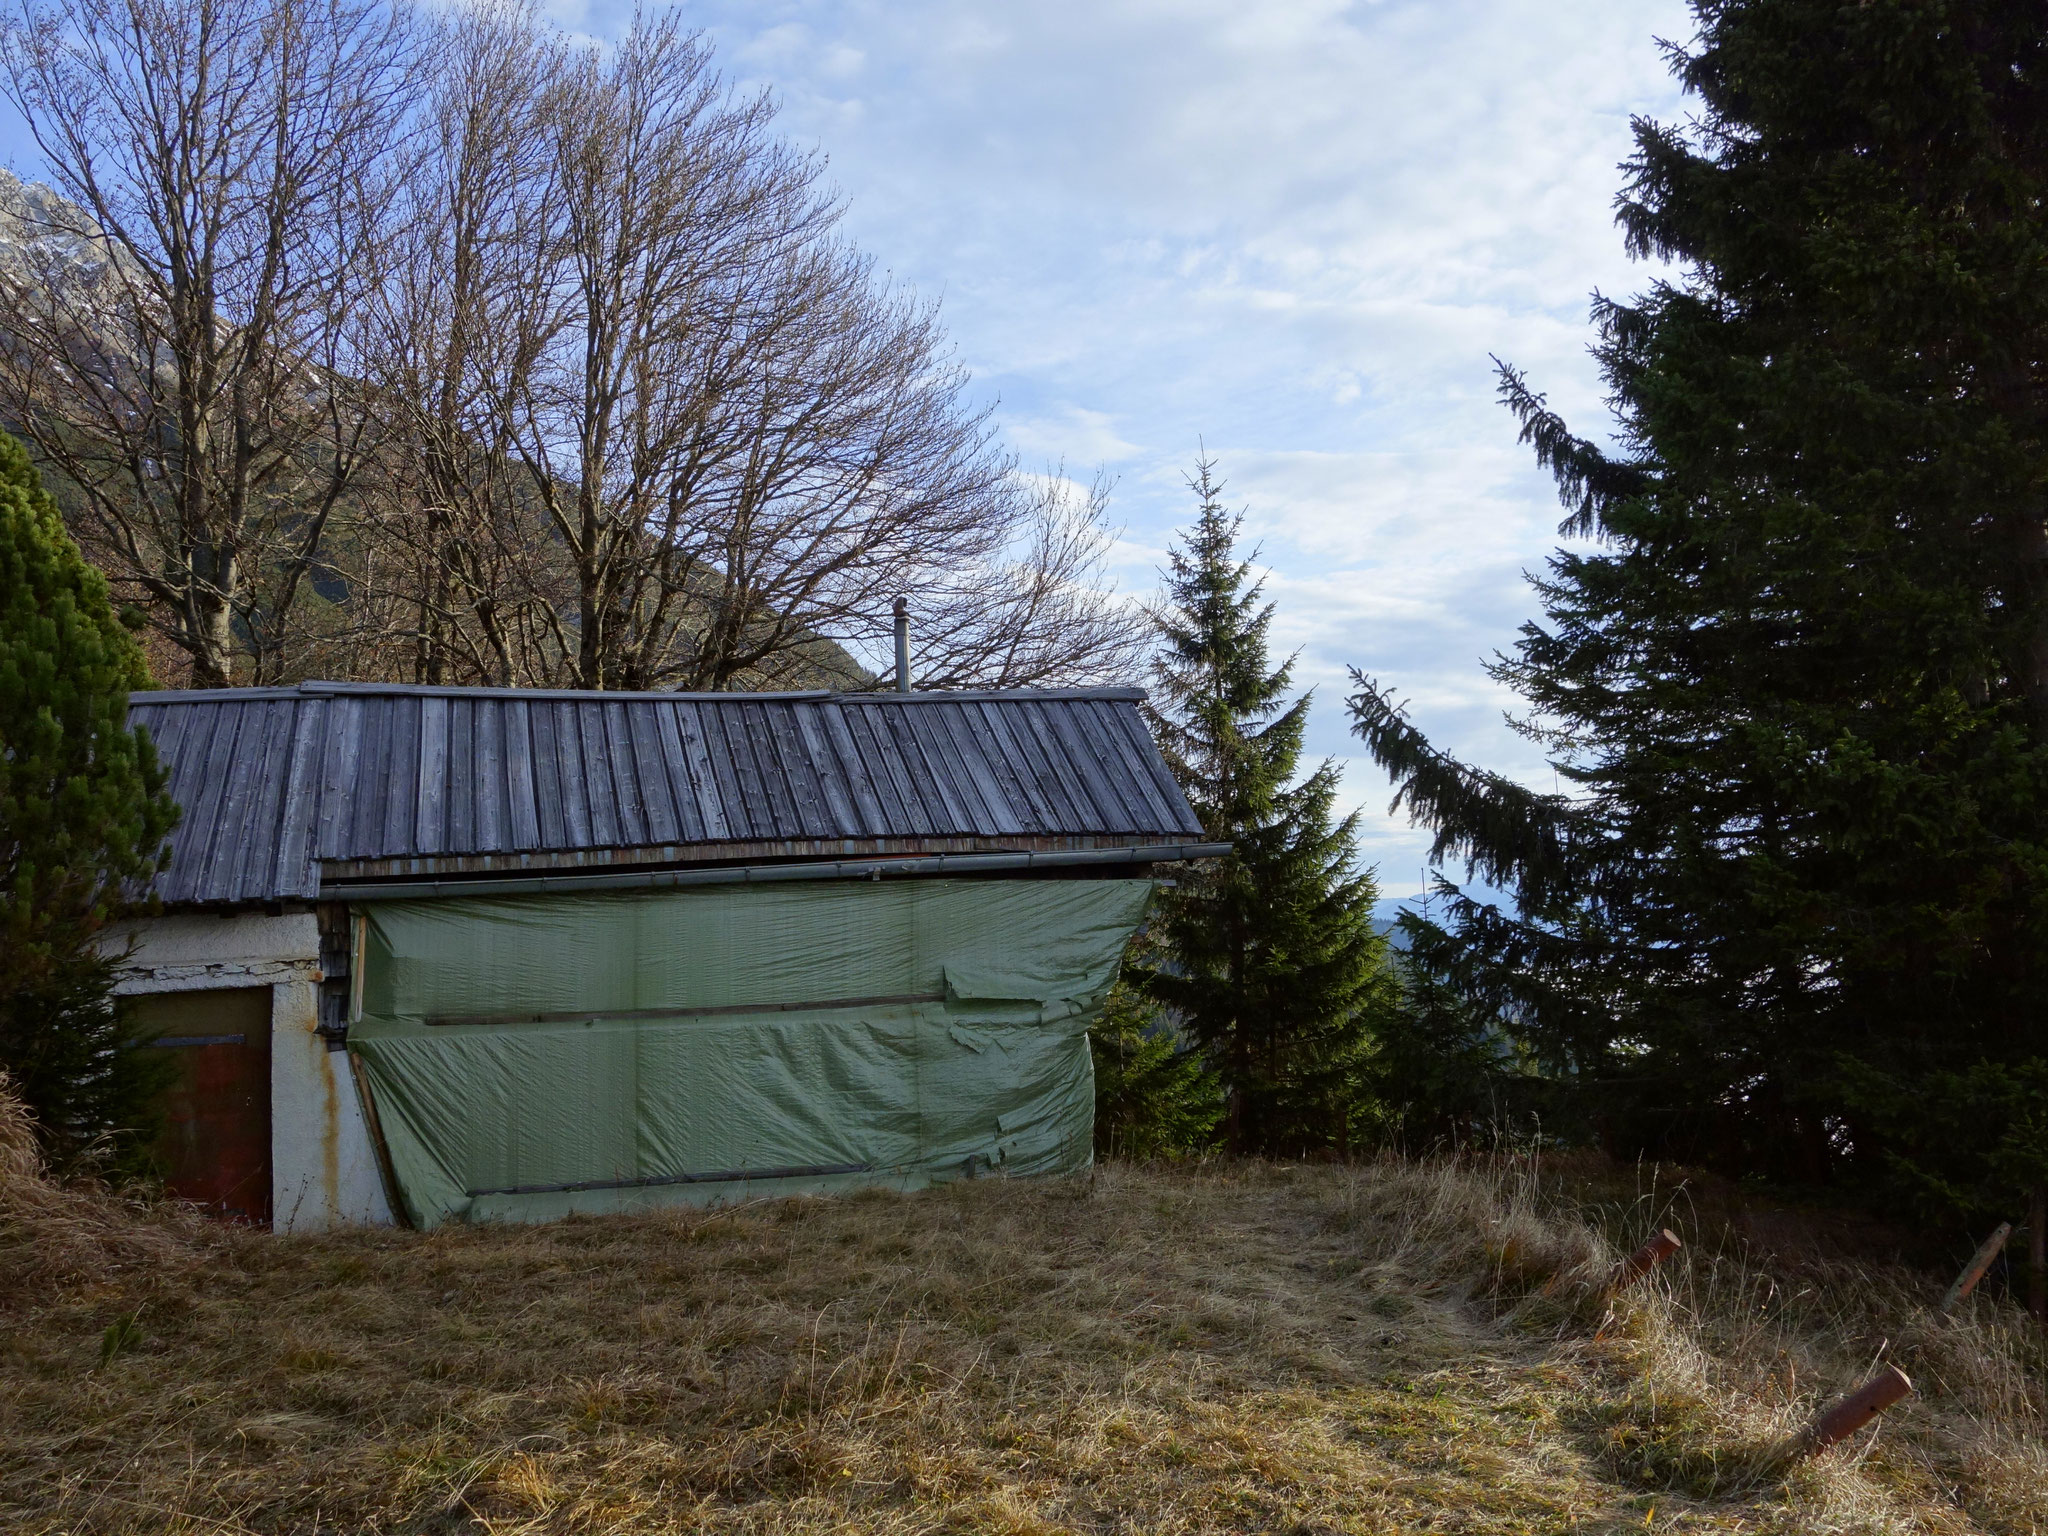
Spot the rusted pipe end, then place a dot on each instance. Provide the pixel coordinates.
(1888, 1386)
(1644, 1259)
(1979, 1264)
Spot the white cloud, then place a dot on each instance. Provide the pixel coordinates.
(1071, 434)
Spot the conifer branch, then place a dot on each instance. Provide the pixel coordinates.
(1504, 833)
(1587, 480)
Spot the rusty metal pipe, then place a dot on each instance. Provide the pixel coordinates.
(1979, 1264)
(1643, 1260)
(1888, 1386)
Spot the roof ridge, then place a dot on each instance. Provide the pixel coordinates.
(322, 689)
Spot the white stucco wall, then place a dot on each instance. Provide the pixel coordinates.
(323, 1165)
(174, 954)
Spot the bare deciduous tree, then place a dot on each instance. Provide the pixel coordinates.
(554, 369)
(1043, 615)
(742, 438)
(179, 348)
(469, 569)
(743, 444)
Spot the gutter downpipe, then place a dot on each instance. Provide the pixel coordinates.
(762, 874)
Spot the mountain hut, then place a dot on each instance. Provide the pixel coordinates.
(464, 954)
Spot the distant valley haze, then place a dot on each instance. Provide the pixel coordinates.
(1290, 232)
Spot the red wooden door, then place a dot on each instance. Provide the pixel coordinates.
(215, 1147)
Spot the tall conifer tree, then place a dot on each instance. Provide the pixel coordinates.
(1269, 956)
(83, 817)
(1793, 913)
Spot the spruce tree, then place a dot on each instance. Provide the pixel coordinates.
(1269, 957)
(1447, 1072)
(83, 819)
(1792, 914)
(1155, 1094)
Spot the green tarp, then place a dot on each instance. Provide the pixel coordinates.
(532, 1056)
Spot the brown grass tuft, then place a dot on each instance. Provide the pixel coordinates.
(59, 1234)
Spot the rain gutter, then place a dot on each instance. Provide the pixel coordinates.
(762, 874)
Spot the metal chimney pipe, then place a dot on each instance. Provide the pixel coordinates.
(902, 645)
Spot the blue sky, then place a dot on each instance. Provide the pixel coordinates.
(1292, 230)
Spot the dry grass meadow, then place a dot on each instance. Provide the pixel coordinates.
(1241, 1348)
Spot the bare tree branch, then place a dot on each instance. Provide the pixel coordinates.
(177, 344)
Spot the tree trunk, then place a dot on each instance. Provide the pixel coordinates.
(209, 620)
(2037, 1255)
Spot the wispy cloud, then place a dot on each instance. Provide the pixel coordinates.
(1071, 434)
